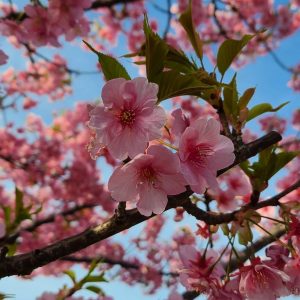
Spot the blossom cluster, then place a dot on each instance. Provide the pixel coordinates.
(43, 26)
(129, 124)
(270, 278)
(41, 78)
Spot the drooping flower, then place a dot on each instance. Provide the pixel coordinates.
(292, 269)
(203, 151)
(128, 118)
(148, 179)
(262, 282)
(199, 272)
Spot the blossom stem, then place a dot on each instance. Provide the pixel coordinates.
(269, 233)
(275, 220)
(167, 144)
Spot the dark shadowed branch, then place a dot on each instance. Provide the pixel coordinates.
(24, 264)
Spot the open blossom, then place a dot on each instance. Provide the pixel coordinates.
(233, 185)
(292, 269)
(262, 282)
(203, 151)
(197, 273)
(148, 179)
(128, 118)
(38, 27)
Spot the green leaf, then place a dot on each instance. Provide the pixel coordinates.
(94, 264)
(245, 234)
(263, 108)
(12, 248)
(225, 229)
(245, 98)
(186, 21)
(279, 161)
(155, 51)
(19, 201)
(94, 289)
(174, 84)
(229, 50)
(72, 275)
(230, 95)
(95, 278)
(178, 61)
(7, 216)
(111, 68)
(268, 164)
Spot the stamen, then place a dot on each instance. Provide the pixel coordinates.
(127, 117)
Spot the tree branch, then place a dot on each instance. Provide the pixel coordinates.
(24, 264)
(109, 3)
(215, 219)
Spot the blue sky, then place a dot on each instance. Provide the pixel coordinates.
(263, 73)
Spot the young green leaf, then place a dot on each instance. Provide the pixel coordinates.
(155, 51)
(71, 275)
(246, 97)
(94, 289)
(95, 278)
(186, 21)
(110, 66)
(230, 95)
(245, 234)
(174, 84)
(229, 50)
(263, 108)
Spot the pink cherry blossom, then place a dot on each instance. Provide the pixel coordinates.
(197, 272)
(279, 256)
(296, 119)
(292, 269)
(128, 118)
(148, 179)
(203, 151)
(233, 185)
(262, 282)
(39, 28)
(273, 123)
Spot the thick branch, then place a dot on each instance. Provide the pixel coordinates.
(109, 3)
(215, 219)
(24, 264)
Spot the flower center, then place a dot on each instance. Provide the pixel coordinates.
(148, 174)
(127, 117)
(200, 153)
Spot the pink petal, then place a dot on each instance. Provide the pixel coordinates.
(172, 184)
(151, 200)
(123, 184)
(165, 161)
(112, 92)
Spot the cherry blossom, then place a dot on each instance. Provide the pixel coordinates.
(262, 282)
(148, 179)
(203, 151)
(199, 272)
(128, 118)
